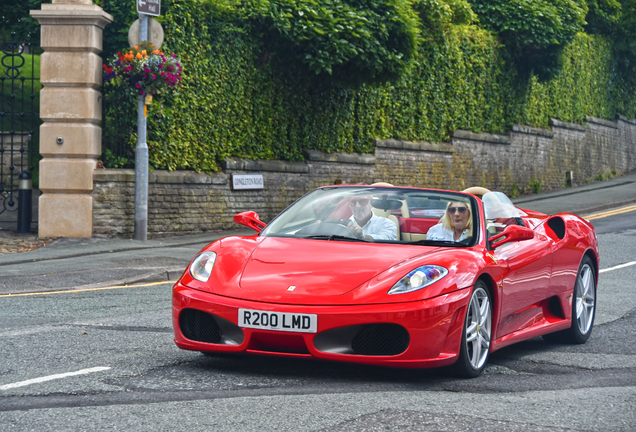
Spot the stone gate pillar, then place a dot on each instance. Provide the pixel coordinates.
(71, 109)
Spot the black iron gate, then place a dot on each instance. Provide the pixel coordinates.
(19, 121)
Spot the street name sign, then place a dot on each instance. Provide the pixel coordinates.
(251, 181)
(149, 7)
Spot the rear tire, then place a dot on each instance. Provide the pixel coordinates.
(476, 337)
(583, 307)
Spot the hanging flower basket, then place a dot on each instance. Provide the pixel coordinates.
(148, 70)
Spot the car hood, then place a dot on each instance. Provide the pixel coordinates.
(319, 272)
(317, 267)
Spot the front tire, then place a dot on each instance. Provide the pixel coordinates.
(477, 334)
(583, 307)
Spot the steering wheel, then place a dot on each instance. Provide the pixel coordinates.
(344, 223)
(336, 227)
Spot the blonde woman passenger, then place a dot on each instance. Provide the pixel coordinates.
(455, 225)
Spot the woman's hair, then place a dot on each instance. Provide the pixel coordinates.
(446, 221)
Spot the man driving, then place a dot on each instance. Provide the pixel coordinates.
(364, 224)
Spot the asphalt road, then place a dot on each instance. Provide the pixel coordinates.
(134, 378)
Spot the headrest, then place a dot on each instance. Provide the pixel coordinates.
(476, 190)
(386, 204)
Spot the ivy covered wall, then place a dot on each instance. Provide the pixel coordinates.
(240, 100)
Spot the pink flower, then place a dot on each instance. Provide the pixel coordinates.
(154, 76)
(137, 85)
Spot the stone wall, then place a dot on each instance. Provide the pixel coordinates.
(526, 160)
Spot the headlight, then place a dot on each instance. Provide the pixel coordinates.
(202, 266)
(419, 278)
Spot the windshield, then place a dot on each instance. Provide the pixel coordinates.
(380, 214)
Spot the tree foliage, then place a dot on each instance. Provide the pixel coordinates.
(602, 16)
(625, 35)
(353, 41)
(268, 79)
(116, 34)
(535, 31)
(235, 103)
(438, 13)
(14, 18)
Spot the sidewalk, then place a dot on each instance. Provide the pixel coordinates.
(99, 262)
(612, 193)
(56, 264)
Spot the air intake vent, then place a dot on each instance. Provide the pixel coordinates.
(199, 326)
(558, 226)
(381, 340)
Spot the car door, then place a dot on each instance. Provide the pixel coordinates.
(526, 267)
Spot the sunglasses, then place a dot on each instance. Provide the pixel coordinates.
(362, 202)
(457, 209)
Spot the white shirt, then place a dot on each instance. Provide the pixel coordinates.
(438, 232)
(379, 228)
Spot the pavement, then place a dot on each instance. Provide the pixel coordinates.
(586, 199)
(29, 264)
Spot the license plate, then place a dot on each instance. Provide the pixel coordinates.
(280, 321)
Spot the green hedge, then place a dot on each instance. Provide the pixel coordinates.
(237, 101)
(351, 41)
(535, 32)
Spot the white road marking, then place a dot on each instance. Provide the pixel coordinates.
(52, 377)
(618, 267)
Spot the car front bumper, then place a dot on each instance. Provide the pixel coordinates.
(433, 329)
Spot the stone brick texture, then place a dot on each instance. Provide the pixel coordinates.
(526, 161)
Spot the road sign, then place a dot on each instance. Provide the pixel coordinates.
(155, 33)
(149, 7)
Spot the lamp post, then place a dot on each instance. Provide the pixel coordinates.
(141, 155)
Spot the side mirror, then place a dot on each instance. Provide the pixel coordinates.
(250, 219)
(512, 233)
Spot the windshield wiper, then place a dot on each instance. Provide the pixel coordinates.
(333, 237)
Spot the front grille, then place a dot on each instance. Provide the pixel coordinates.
(381, 340)
(278, 342)
(199, 326)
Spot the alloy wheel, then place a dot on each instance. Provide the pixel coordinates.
(478, 328)
(585, 299)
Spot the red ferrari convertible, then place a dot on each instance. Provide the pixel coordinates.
(391, 276)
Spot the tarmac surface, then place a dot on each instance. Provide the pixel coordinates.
(142, 381)
(60, 264)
